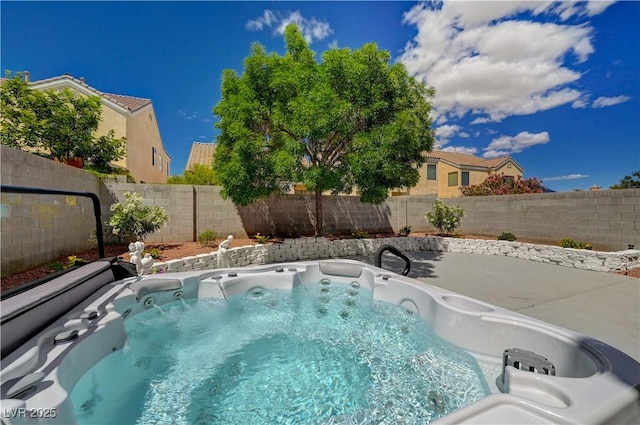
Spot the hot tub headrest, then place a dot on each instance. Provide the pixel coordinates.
(340, 269)
(146, 286)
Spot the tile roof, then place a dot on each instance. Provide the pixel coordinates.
(130, 103)
(463, 159)
(201, 153)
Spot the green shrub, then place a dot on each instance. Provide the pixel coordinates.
(507, 236)
(56, 266)
(208, 237)
(155, 253)
(360, 234)
(571, 243)
(405, 231)
(72, 261)
(262, 239)
(444, 217)
(132, 220)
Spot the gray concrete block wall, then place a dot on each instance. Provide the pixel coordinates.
(293, 215)
(177, 201)
(410, 211)
(609, 219)
(215, 213)
(37, 229)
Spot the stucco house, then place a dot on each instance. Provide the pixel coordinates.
(146, 159)
(444, 172)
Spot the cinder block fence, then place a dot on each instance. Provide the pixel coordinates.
(38, 228)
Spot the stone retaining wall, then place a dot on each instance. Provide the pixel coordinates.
(321, 248)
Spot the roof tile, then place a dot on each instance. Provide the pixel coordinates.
(463, 159)
(201, 153)
(130, 103)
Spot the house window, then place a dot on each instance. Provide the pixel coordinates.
(453, 179)
(508, 165)
(465, 178)
(160, 161)
(431, 171)
(153, 156)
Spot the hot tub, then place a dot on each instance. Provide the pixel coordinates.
(530, 371)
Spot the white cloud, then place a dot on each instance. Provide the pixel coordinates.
(480, 120)
(506, 145)
(258, 24)
(333, 44)
(603, 102)
(312, 29)
(581, 103)
(566, 177)
(446, 131)
(188, 115)
(598, 6)
(461, 149)
(486, 58)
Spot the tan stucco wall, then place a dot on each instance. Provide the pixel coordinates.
(442, 175)
(143, 135)
(424, 186)
(441, 185)
(513, 171)
(111, 119)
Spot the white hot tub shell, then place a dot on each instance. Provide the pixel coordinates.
(593, 384)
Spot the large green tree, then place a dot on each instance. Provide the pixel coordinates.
(628, 182)
(56, 124)
(352, 121)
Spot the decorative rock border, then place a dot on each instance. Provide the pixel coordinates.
(320, 248)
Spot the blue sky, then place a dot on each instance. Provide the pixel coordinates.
(554, 84)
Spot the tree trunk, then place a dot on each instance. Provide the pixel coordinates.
(318, 223)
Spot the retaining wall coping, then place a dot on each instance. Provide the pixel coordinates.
(318, 248)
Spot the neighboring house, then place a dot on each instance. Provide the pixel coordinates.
(444, 172)
(201, 153)
(132, 117)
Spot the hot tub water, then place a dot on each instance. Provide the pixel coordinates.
(321, 353)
